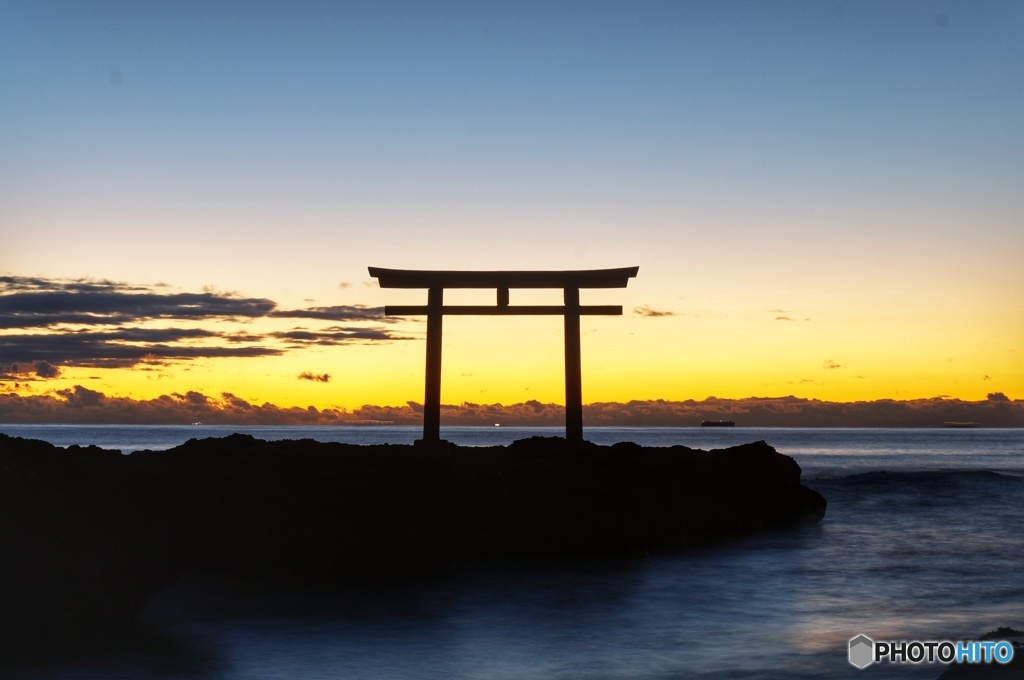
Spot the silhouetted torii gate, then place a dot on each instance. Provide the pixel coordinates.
(569, 281)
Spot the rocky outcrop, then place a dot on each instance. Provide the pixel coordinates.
(89, 535)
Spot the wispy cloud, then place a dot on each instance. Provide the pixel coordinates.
(337, 335)
(315, 377)
(784, 315)
(337, 313)
(650, 313)
(35, 283)
(831, 365)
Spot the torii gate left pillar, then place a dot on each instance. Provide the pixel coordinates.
(502, 281)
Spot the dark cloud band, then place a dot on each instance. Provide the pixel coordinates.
(126, 347)
(84, 322)
(47, 309)
(82, 405)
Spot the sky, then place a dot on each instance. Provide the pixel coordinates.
(823, 198)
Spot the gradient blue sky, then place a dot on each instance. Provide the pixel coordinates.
(858, 164)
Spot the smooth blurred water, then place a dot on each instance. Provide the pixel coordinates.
(922, 540)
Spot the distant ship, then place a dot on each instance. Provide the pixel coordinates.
(717, 423)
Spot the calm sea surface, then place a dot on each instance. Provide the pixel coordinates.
(923, 539)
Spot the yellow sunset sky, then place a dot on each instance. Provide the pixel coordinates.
(824, 199)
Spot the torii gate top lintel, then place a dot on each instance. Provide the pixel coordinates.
(573, 278)
(570, 281)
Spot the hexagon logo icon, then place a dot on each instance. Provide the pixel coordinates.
(862, 651)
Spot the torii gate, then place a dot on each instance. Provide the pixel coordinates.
(569, 281)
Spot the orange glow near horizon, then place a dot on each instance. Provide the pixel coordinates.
(848, 326)
(512, 360)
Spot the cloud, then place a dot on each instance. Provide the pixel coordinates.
(30, 283)
(831, 365)
(40, 303)
(82, 397)
(44, 369)
(121, 347)
(337, 313)
(82, 405)
(997, 396)
(337, 335)
(646, 311)
(784, 318)
(315, 377)
(29, 370)
(101, 323)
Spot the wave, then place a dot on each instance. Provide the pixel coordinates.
(939, 479)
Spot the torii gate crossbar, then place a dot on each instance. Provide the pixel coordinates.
(502, 281)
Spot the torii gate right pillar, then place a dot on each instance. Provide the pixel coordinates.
(573, 371)
(432, 381)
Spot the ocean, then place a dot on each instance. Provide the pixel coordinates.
(922, 540)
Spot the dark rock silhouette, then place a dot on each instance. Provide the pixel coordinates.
(89, 535)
